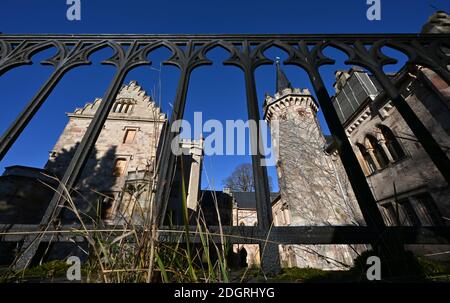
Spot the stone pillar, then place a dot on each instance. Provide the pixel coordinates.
(196, 150)
(374, 159)
(386, 150)
(362, 161)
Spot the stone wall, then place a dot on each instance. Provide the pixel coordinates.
(414, 175)
(416, 171)
(133, 112)
(246, 217)
(312, 183)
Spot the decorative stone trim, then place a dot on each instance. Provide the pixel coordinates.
(287, 98)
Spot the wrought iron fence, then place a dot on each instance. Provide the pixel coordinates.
(247, 53)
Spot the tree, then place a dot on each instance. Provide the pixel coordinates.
(242, 179)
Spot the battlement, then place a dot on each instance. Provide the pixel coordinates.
(287, 98)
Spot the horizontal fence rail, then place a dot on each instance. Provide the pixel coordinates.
(239, 235)
(247, 53)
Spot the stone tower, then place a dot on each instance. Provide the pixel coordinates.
(313, 185)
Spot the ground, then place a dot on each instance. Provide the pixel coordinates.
(56, 272)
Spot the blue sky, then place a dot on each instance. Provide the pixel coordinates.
(217, 91)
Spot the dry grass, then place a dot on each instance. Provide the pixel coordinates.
(132, 253)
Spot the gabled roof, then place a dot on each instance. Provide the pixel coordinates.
(144, 107)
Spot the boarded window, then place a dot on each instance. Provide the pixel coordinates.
(119, 167)
(130, 134)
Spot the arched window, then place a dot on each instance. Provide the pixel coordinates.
(122, 106)
(371, 167)
(115, 107)
(378, 151)
(394, 147)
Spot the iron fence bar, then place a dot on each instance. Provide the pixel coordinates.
(261, 180)
(168, 159)
(237, 38)
(248, 59)
(310, 61)
(364, 196)
(431, 59)
(429, 144)
(386, 244)
(22, 120)
(373, 60)
(326, 235)
(63, 61)
(187, 61)
(82, 153)
(270, 258)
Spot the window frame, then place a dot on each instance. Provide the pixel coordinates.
(115, 166)
(127, 130)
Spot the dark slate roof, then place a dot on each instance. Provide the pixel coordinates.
(329, 139)
(209, 209)
(330, 144)
(208, 197)
(248, 199)
(282, 80)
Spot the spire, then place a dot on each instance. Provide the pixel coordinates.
(282, 80)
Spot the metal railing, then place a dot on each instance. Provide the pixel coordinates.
(247, 53)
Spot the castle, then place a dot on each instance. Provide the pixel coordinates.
(117, 182)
